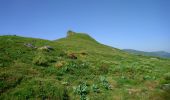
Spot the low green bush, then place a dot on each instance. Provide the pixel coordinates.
(78, 68)
(42, 59)
(81, 90)
(167, 76)
(105, 83)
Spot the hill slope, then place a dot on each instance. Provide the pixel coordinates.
(162, 54)
(78, 67)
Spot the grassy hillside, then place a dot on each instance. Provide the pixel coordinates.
(78, 67)
(162, 54)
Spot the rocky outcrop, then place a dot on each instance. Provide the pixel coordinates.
(70, 33)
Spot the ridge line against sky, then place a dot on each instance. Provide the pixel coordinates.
(126, 24)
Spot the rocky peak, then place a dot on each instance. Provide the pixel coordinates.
(70, 33)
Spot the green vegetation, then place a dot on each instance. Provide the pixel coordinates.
(41, 59)
(78, 67)
(82, 90)
(95, 88)
(105, 83)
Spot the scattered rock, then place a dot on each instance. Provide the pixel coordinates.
(72, 56)
(29, 45)
(46, 48)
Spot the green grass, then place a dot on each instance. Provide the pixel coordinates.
(100, 72)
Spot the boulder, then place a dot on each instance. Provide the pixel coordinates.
(47, 48)
(72, 56)
(29, 45)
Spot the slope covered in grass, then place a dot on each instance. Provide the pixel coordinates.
(78, 67)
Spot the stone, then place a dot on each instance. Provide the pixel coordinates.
(47, 48)
(29, 45)
(72, 56)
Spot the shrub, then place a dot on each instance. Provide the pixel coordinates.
(41, 59)
(75, 67)
(167, 76)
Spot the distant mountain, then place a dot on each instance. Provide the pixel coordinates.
(162, 54)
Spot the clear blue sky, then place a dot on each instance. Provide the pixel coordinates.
(135, 24)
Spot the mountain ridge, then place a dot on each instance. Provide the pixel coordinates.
(162, 54)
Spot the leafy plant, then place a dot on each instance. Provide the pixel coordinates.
(105, 83)
(82, 90)
(95, 88)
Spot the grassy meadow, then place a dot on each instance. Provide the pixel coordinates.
(78, 67)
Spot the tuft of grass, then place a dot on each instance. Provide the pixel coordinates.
(42, 59)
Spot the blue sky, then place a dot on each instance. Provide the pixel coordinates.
(135, 24)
